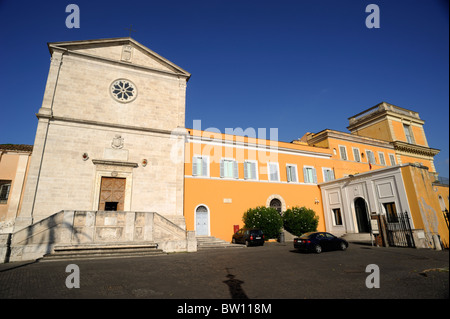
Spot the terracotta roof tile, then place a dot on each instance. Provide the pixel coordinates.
(16, 147)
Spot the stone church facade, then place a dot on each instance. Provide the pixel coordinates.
(113, 112)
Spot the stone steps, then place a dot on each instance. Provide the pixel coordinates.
(210, 242)
(363, 238)
(94, 251)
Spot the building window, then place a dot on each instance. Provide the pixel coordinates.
(381, 157)
(5, 187)
(250, 170)
(356, 155)
(392, 159)
(328, 174)
(274, 174)
(337, 216)
(291, 173)
(200, 165)
(343, 152)
(309, 174)
(408, 133)
(229, 168)
(391, 212)
(123, 90)
(370, 157)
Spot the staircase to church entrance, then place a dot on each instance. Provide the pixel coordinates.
(210, 242)
(95, 251)
(97, 234)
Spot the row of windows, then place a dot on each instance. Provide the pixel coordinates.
(229, 168)
(370, 156)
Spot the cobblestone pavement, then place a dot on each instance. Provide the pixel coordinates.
(274, 271)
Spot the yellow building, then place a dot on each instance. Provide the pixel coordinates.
(14, 163)
(402, 128)
(346, 178)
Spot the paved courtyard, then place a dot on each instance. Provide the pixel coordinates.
(275, 271)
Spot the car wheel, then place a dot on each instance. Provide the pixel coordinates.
(247, 243)
(343, 246)
(318, 249)
(233, 241)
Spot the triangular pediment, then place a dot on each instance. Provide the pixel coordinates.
(124, 50)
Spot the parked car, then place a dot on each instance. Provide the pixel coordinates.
(249, 237)
(319, 241)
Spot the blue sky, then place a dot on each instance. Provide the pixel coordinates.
(299, 66)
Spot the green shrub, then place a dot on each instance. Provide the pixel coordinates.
(265, 218)
(300, 220)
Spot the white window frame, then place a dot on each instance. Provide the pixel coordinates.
(295, 173)
(324, 174)
(314, 181)
(340, 152)
(409, 133)
(392, 160)
(6, 189)
(368, 157)
(235, 168)
(207, 165)
(359, 154)
(256, 170)
(381, 156)
(269, 174)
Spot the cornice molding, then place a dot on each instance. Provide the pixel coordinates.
(415, 149)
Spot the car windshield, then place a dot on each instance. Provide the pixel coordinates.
(306, 235)
(256, 232)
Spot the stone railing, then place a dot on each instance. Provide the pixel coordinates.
(72, 228)
(380, 108)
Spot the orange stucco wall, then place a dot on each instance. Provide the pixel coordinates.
(378, 130)
(8, 168)
(9, 165)
(227, 198)
(409, 159)
(424, 202)
(351, 166)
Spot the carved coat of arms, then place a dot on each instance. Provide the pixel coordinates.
(117, 142)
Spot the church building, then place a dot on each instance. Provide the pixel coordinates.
(113, 112)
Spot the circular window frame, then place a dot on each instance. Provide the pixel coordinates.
(113, 95)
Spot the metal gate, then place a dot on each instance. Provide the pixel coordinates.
(399, 233)
(446, 217)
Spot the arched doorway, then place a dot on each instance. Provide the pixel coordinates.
(201, 220)
(362, 216)
(276, 203)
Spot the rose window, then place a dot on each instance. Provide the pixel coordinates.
(123, 90)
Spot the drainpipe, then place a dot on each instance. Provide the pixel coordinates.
(46, 135)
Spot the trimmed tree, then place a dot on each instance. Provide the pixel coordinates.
(300, 220)
(265, 218)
